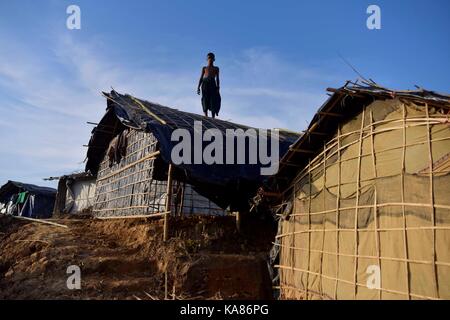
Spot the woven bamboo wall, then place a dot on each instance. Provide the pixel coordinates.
(128, 188)
(378, 195)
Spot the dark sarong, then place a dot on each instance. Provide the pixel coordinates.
(210, 96)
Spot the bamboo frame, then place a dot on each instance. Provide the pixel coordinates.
(332, 143)
(300, 189)
(151, 156)
(378, 205)
(377, 257)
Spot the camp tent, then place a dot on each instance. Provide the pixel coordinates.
(27, 200)
(365, 206)
(130, 153)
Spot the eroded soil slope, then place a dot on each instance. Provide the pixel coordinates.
(205, 258)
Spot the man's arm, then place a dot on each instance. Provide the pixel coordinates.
(200, 80)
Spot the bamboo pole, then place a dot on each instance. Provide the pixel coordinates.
(402, 193)
(168, 202)
(375, 208)
(379, 257)
(309, 229)
(323, 217)
(379, 205)
(357, 284)
(433, 221)
(293, 236)
(338, 198)
(148, 157)
(40, 221)
(365, 230)
(238, 221)
(358, 175)
(142, 216)
(182, 199)
(148, 111)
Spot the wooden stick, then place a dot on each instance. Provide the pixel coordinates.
(166, 293)
(402, 193)
(433, 222)
(40, 221)
(358, 284)
(309, 229)
(149, 156)
(182, 199)
(168, 203)
(358, 185)
(379, 257)
(148, 111)
(375, 208)
(323, 217)
(150, 296)
(379, 205)
(142, 216)
(365, 230)
(338, 198)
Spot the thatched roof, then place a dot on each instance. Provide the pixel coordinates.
(226, 180)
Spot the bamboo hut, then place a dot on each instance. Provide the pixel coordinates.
(130, 154)
(364, 202)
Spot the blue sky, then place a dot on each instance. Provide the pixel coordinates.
(276, 58)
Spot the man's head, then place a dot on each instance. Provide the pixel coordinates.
(210, 57)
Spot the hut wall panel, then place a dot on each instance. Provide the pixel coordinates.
(376, 196)
(127, 188)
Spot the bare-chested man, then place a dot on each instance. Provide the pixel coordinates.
(210, 85)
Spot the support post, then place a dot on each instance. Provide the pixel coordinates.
(238, 221)
(168, 202)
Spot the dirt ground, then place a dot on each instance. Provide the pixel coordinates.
(205, 258)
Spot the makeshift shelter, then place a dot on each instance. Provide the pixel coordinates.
(130, 153)
(76, 193)
(365, 193)
(27, 200)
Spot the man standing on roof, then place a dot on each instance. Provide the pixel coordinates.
(210, 85)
